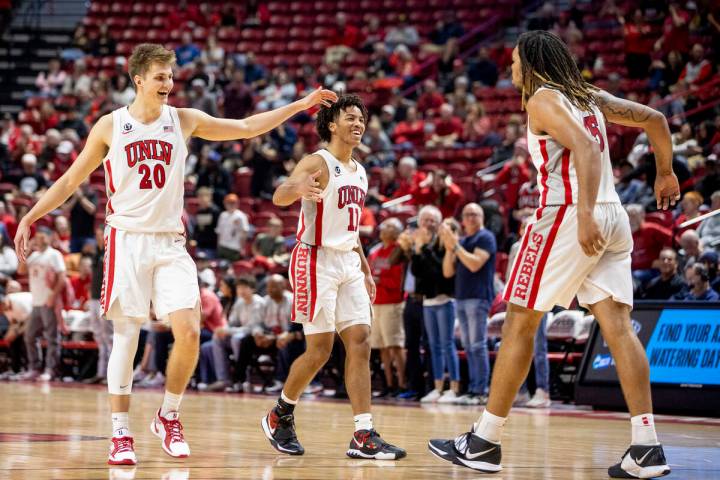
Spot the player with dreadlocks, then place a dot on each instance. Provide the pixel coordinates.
(578, 243)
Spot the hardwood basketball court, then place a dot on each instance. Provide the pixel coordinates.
(61, 432)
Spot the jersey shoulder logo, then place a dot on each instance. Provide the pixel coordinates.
(127, 128)
(338, 172)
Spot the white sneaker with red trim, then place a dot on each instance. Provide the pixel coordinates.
(122, 451)
(170, 431)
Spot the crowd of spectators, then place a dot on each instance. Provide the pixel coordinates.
(432, 271)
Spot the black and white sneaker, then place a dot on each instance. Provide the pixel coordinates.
(641, 461)
(369, 444)
(281, 433)
(469, 450)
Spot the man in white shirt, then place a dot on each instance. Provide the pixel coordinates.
(16, 307)
(47, 279)
(232, 229)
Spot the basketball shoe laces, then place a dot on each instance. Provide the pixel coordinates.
(175, 429)
(288, 424)
(372, 440)
(122, 444)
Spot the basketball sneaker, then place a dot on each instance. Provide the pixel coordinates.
(122, 451)
(281, 433)
(469, 450)
(369, 444)
(641, 461)
(170, 431)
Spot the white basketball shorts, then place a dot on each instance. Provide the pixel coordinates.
(551, 267)
(329, 291)
(147, 267)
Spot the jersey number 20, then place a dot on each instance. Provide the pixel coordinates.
(157, 175)
(591, 125)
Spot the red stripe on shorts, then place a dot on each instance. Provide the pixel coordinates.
(292, 279)
(313, 281)
(566, 176)
(545, 254)
(318, 224)
(111, 270)
(518, 261)
(544, 172)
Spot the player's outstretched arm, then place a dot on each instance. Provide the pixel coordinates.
(549, 113)
(307, 181)
(220, 129)
(633, 114)
(89, 159)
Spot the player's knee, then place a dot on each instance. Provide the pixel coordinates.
(518, 328)
(187, 334)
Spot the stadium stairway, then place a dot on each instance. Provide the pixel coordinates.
(35, 36)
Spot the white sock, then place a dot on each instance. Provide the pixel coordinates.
(490, 427)
(120, 424)
(286, 399)
(363, 421)
(171, 403)
(643, 430)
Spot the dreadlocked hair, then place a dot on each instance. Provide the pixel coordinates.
(546, 60)
(330, 114)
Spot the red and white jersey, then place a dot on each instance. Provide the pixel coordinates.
(557, 179)
(145, 173)
(334, 221)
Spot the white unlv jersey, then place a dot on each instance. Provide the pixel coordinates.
(557, 179)
(145, 173)
(334, 221)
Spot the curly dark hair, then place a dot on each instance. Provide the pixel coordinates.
(326, 115)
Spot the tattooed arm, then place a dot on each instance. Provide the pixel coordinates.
(632, 114)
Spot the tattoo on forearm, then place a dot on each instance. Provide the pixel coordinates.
(630, 111)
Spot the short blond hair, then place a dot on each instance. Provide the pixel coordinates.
(145, 55)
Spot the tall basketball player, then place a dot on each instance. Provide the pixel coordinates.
(578, 243)
(331, 279)
(143, 148)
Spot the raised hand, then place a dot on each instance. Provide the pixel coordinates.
(320, 96)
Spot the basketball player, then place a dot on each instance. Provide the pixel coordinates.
(331, 279)
(578, 243)
(143, 149)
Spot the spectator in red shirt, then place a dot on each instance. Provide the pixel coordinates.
(638, 46)
(441, 192)
(61, 236)
(528, 196)
(410, 131)
(698, 69)
(80, 282)
(403, 63)
(448, 128)
(676, 31)
(408, 177)
(212, 312)
(388, 333)
(367, 225)
(477, 125)
(514, 174)
(431, 99)
(649, 239)
(344, 40)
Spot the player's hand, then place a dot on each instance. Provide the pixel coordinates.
(22, 246)
(320, 96)
(309, 188)
(667, 190)
(589, 237)
(370, 287)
